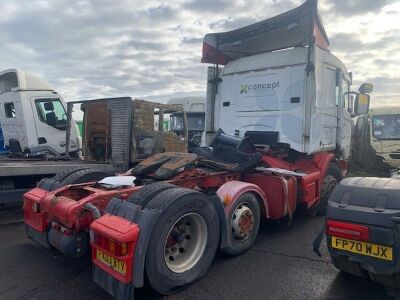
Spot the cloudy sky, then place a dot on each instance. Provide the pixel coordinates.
(151, 49)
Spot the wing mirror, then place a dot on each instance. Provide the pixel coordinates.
(361, 104)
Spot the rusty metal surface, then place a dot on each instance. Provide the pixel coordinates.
(146, 118)
(164, 164)
(173, 143)
(115, 128)
(107, 131)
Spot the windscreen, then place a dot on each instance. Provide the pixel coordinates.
(195, 122)
(52, 113)
(386, 127)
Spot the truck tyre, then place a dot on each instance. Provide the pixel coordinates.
(342, 263)
(66, 172)
(85, 175)
(143, 196)
(48, 183)
(332, 177)
(244, 221)
(72, 176)
(185, 239)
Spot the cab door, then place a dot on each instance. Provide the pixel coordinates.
(344, 108)
(51, 123)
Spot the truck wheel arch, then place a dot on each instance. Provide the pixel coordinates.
(322, 161)
(232, 190)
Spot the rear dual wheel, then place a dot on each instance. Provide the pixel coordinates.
(185, 239)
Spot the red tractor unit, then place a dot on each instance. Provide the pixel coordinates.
(284, 132)
(170, 230)
(180, 209)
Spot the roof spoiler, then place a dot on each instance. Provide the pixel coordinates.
(298, 27)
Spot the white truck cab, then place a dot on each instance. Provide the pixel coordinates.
(33, 116)
(280, 79)
(194, 107)
(376, 138)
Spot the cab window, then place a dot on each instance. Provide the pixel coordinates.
(345, 86)
(52, 113)
(9, 109)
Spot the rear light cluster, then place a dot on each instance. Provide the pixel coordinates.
(347, 230)
(113, 247)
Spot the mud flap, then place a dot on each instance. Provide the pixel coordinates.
(112, 285)
(222, 217)
(145, 219)
(37, 236)
(317, 242)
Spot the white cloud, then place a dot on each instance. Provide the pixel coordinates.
(152, 49)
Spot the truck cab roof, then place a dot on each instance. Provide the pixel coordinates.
(13, 80)
(295, 28)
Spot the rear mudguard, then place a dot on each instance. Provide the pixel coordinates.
(146, 220)
(227, 195)
(232, 190)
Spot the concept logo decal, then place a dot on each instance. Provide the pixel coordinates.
(244, 88)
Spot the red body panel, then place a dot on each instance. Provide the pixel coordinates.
(34, 219)
(279, 204)
(315, 167)
(66, 204)
(63, 210)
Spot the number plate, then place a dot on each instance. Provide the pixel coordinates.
(116, 264)
(368, 249)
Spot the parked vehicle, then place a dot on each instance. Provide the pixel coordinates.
(42, 139)
(33, 122)
(194, 108)
(33, 116)
(287, 120)
(376, 139)
(362, 228)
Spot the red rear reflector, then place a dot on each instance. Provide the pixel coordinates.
(347, 230)
(36, 207)
(113, 247)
